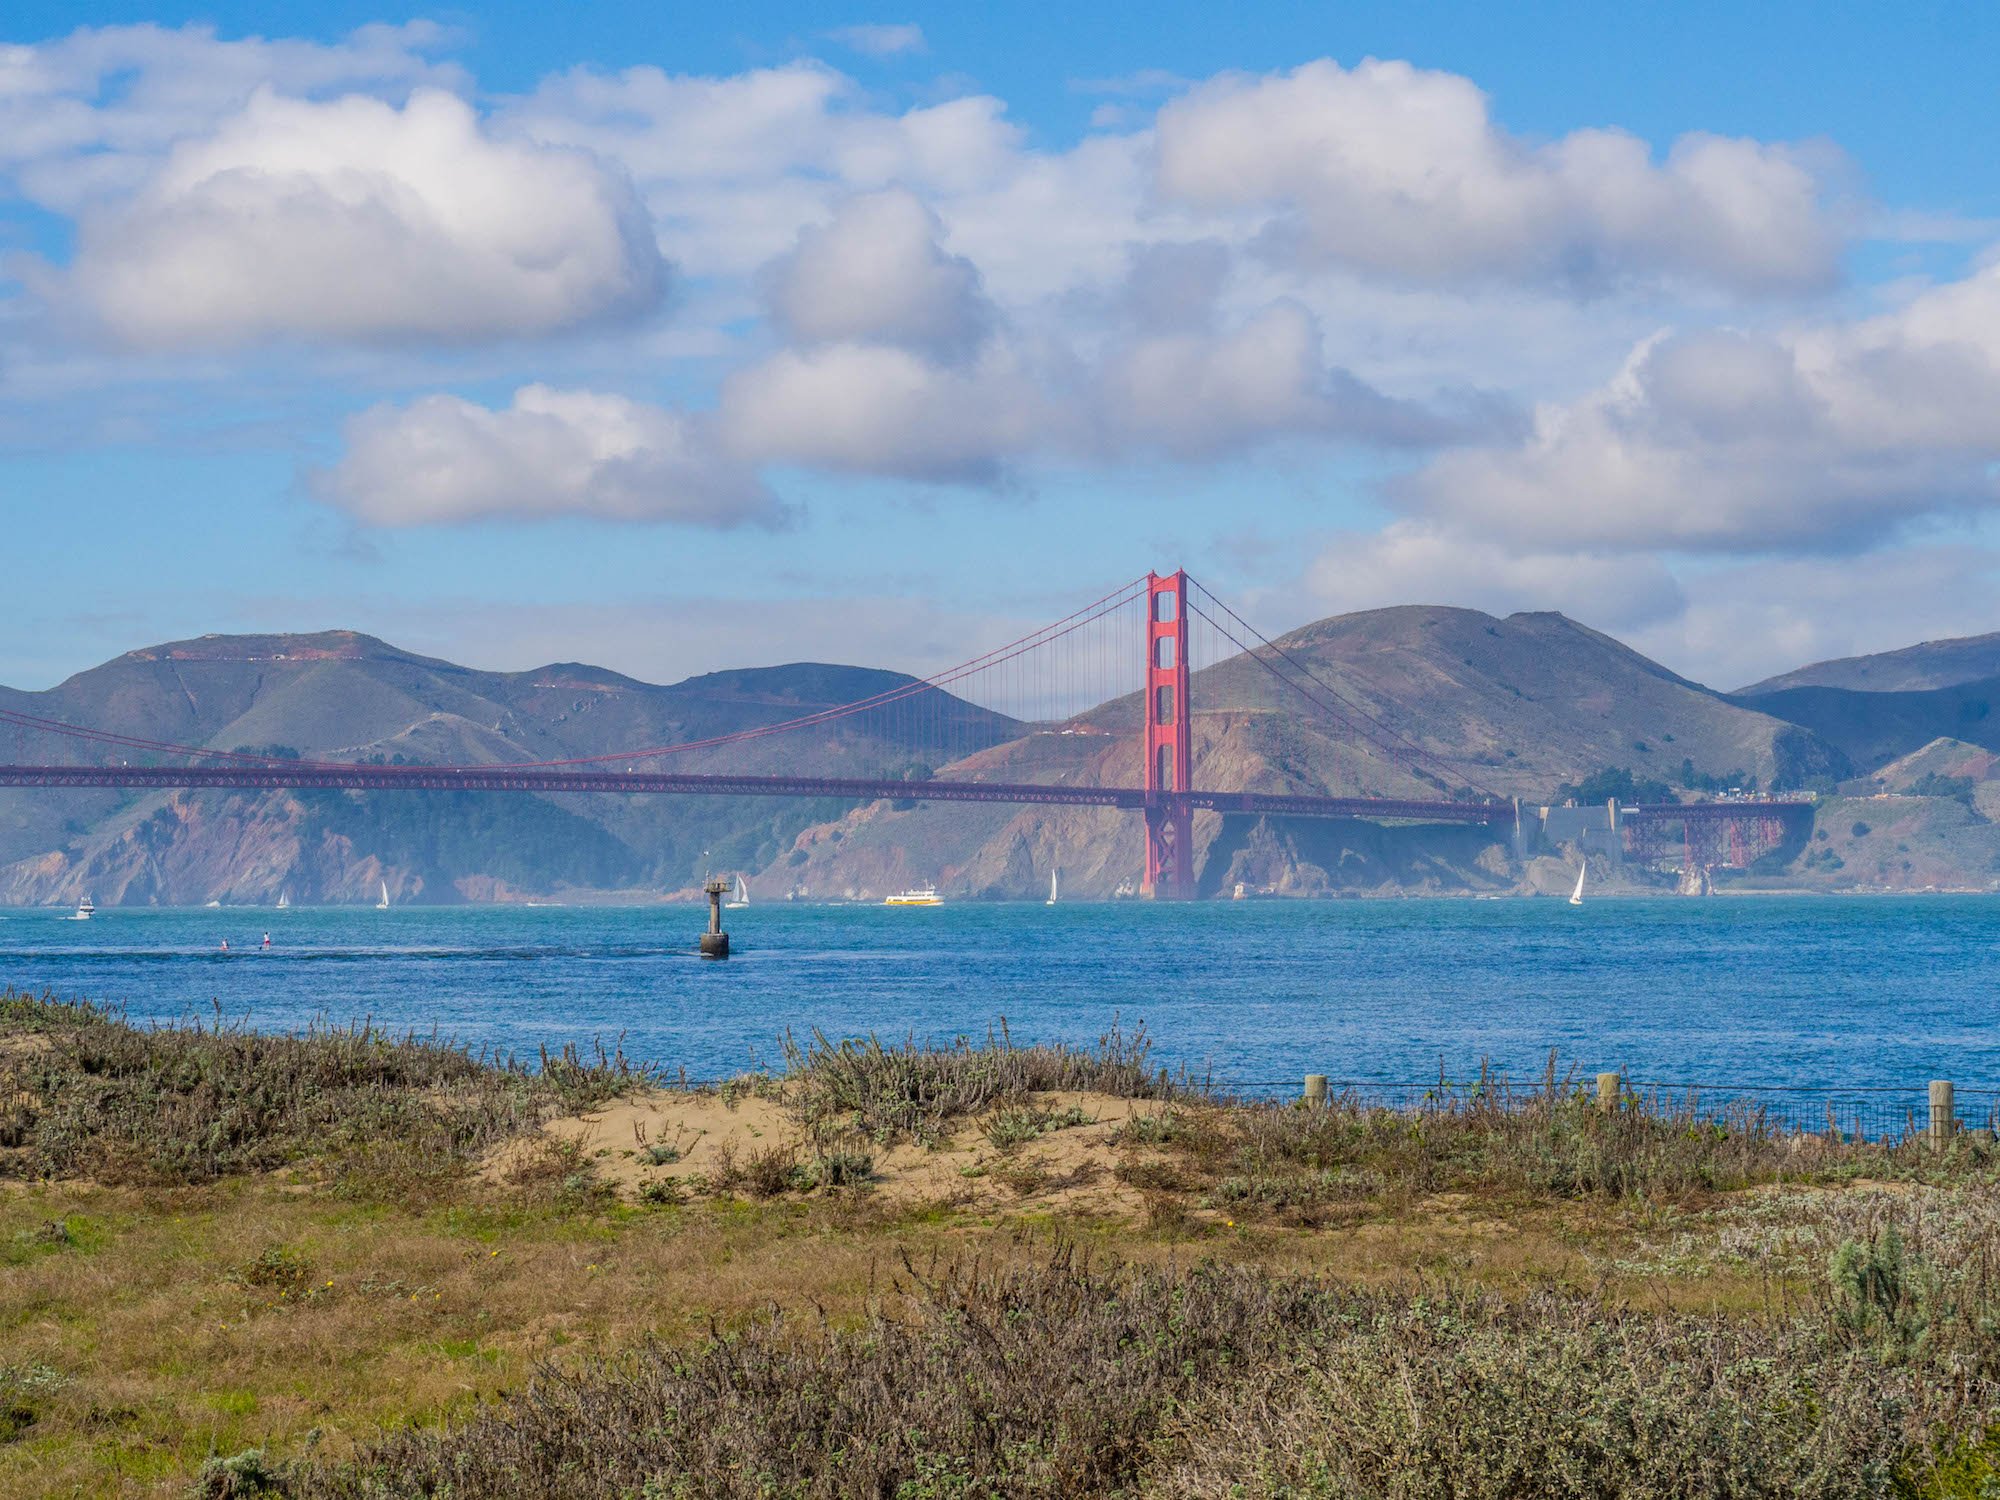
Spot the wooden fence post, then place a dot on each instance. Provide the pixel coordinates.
(1315, 1095)
(1944, 1119)
(1607, 1092)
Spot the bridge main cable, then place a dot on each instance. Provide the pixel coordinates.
(1115, 599)
(1350, 714)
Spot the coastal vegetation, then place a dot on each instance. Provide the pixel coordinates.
(344, 1264)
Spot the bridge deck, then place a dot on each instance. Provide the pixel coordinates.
(502, 778)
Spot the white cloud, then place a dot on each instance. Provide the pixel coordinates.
(906, 370)
(1724, 625)
(878, 409)
(1200, 394)
(877, 273)
(357, 220)
(86, 116)
(1413, 563)
(880, 40)
(442, 459)
(1827, 437)
(733, 167)
(1401, 172)
(1746, 622)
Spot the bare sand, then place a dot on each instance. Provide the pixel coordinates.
(1070, 1169)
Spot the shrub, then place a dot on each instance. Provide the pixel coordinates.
(1010, 1128)
(191, 1103)
(845, 1168)
(912, 1090)
(278, 1269)
(1060, 1379)
(243, 1475)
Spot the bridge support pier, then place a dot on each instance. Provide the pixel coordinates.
(1169, 745)
(1169, 850)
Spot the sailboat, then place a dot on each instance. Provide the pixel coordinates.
(1055, 885)
(742, 897)
(383, 904)
(284, 900)
(1576, 896)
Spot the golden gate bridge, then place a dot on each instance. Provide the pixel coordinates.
(1064, 675)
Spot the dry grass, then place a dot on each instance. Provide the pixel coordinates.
(1547, 1290)
(1312, 1166)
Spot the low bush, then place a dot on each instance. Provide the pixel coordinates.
(1057, 1379)
(913, 1090)
(100, 1097)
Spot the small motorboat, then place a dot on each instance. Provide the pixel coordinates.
(85, 910)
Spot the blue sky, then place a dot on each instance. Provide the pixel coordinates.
(677, 337)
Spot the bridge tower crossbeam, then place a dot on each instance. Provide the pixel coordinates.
(1169, 743)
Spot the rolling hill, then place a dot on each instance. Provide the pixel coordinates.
(343, 696)
(1519, 706)
(1513, 707)
(1918, 668)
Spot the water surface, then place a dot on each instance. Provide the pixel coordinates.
(1819, 992)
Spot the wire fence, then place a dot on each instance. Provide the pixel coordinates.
(1862, 1113)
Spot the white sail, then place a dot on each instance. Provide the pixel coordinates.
(284, 899)
(383, 904)
(1576, 896)
(741, 898)
(1055, 885)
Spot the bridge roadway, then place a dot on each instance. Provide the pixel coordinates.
(501, 778)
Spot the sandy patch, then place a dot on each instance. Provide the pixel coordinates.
(668, 1134)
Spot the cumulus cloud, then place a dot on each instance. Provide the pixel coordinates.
(1202, 394)
(732, 167)
(443, 459)
(905, 370)
(878, 409)
(878, 273)
(880, 40)
(1721, 623)
(87, 116)
(1415, 563)
(1401, 172)
(1746, 622)
(358, 220)
(1827, 437)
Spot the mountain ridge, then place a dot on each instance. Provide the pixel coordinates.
(1521, 706)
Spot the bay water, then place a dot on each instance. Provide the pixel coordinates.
(1820, 993)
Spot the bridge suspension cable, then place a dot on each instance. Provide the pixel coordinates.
(1099, 609)
(1342, 709)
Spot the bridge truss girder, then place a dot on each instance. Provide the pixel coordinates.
(1708, 837)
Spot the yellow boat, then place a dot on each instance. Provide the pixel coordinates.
(916, 895)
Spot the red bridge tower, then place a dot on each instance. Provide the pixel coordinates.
(1169, 752)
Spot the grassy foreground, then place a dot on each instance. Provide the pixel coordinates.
(354, 1265)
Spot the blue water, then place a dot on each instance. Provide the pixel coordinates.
(1798, 990)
